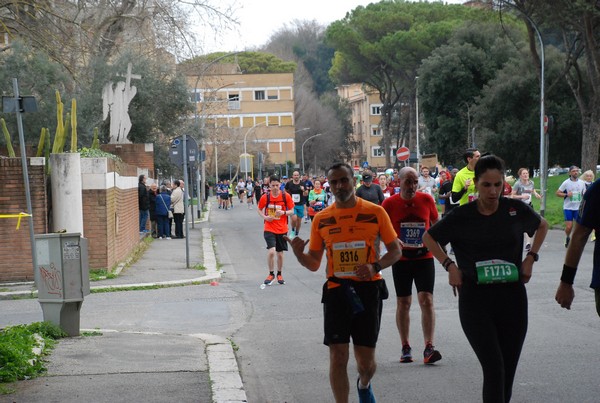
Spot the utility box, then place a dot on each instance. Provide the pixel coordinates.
(62, 278)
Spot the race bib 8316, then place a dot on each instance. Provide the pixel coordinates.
(348, 255)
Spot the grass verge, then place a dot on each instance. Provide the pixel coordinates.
(18, 359)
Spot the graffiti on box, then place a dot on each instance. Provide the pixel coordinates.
(52, 280)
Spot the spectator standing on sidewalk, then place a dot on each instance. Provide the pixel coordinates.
(163, 203)
(571, 190)
(177, 206)
(143, 202)
(274, 208)
(152, 193)
(354, 292)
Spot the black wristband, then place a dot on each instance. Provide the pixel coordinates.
(447, 263)
(568, 274)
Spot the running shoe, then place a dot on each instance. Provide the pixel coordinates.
(431, 355)
(280, 279)
(406, 354)
(365, 395)
(269, 280)
(567, 242)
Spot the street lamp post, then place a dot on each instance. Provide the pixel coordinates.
(417, 117)
(303, 144)
(246, 154)
(295, 132)
(543, 148)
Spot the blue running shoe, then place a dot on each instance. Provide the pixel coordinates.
(365, 395)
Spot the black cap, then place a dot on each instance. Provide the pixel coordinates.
(367, 178)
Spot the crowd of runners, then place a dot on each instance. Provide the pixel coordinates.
(487, 238)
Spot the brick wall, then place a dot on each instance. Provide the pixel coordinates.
(110, 211)
(138, 155)
(15, 249)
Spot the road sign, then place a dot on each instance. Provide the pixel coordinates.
(403, 153)
(365, 164)
(176, 152)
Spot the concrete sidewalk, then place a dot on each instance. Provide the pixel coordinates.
(108, 365)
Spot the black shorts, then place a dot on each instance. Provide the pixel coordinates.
(275, 241)
(224, 196)
(422, 271)
(340, 323)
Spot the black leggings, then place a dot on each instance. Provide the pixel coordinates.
(494, 319)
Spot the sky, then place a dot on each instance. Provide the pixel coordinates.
(259, 19)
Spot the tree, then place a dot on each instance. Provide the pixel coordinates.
(248, 62)
(37, 76)
(383, 44)
(452, 79)
(40, 77)
(577, 21)
(317, 105)
(509, 108)
(74, 32)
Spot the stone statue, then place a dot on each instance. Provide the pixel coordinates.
(115, 101)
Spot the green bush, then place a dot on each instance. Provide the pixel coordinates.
(17, 360)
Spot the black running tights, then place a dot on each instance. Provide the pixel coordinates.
(494, 319)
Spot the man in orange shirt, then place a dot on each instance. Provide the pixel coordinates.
(274, 207)
(348, 231)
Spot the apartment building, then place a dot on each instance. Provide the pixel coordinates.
(366, 119)
(244, 114)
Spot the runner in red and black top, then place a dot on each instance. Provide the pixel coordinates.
(412, 213)
(274, 208)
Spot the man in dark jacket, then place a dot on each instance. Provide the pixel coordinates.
(143, 202)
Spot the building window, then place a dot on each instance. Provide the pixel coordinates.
(259, 95)
(196, 97)
(234, 101)
(273, 97)
(376, 109)
(376, 131)
(376, 152)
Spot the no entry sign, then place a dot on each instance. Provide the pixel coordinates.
(403, 153)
